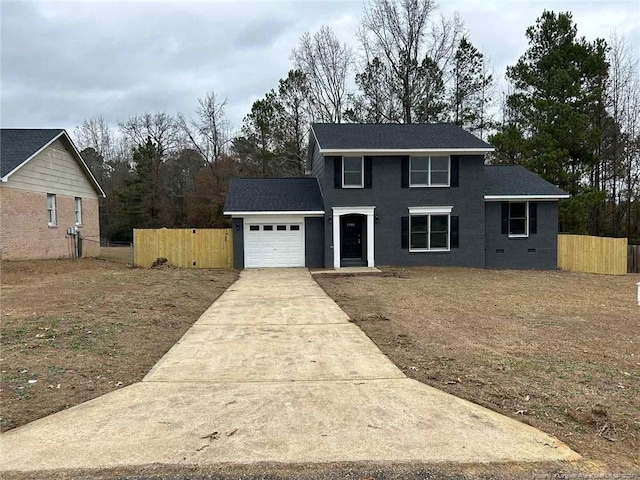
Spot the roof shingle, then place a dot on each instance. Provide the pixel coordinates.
(347, 136)
(516, 180)
(17, 145)
(274, 195)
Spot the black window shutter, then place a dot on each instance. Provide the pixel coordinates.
(455, 242)
(405, 233)
(368, 167)
(455, 167)
(337, 172)
(505, 218)
(405, 172)
(533, 217)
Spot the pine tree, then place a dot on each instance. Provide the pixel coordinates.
(557, 86)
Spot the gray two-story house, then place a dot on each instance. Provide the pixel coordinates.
(389, 194)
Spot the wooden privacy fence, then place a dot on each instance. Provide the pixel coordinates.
(633, 259)
(583, 253)
(184, 247)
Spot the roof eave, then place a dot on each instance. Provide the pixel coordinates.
(539, 198)
(403, 151)
(244, 213)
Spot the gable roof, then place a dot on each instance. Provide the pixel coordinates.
(335, 138)
(19, 145)
(275, 195)
(514, 181)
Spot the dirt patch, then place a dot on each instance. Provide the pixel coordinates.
(556, 350)
(75, 329)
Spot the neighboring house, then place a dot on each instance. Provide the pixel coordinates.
(388, 194)
(48, 196)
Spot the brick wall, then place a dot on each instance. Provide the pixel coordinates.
(24, 233)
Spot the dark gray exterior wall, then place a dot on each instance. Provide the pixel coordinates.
(314, 242)
(317, 163)
(392, 202)
(516, 252)
(238, 242)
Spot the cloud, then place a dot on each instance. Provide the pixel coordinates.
(62, 62)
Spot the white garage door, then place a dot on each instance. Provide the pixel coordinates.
(274, 245)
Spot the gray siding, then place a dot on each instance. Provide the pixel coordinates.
(314, 242)
(238, 242)
(317, 165)
(392, 202)
(516, 252)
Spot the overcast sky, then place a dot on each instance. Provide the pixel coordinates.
(62, 62)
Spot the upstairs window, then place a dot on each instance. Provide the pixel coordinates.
(429, 171)
(51, 210)
(352, 172)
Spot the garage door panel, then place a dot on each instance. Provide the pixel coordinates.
(274, 245)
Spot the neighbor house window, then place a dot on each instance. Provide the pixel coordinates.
(518, 219)
(429, 171)
(353, 172)
(429, 229)
(78, 211)
(51, 210)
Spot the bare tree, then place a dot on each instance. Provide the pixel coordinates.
(95, 133)
(621, 174)
(208, 132)
(404, 35)
(160, 127)
(326, 64)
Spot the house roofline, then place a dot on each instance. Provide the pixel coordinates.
(307, 213)
(540, 198)
(402, 151)
(75, 152)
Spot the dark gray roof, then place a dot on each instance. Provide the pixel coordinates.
(17, 145)
(274, 195)
(346, 136)
(516, 180)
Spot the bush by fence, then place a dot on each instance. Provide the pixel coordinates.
(184, 247)
(583, 253)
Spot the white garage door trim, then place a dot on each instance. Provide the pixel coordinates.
(274, 241)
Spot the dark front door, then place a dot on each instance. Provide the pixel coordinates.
(351, 246)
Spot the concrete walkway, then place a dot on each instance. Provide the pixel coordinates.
(273, 371)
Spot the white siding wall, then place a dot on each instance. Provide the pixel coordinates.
(53, 170)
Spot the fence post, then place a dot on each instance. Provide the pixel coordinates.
(638, 293)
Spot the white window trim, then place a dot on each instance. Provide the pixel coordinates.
(526, 222)
(361, 173)
(430, 185)
(53, 209)
(77, 203)
(427, 212)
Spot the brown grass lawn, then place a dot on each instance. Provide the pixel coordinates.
(557, 350)
(81, 328)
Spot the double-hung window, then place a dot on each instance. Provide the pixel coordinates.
(78, 210)
(429, 229)
(353, 172)
(429, 171)
(518, 219)
(51, 210)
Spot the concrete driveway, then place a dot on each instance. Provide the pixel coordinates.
(274, 371)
